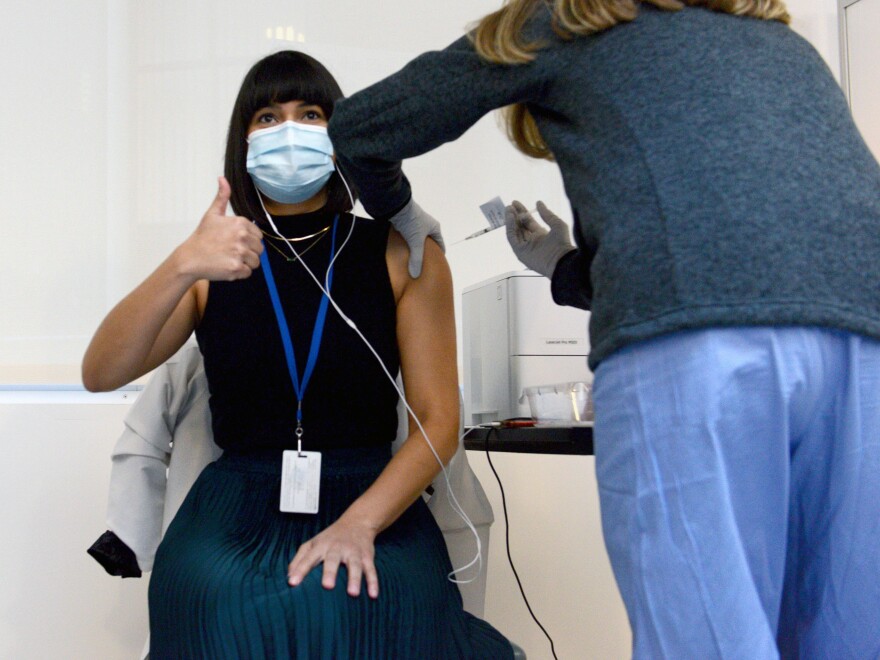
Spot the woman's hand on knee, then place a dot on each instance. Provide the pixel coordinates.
(343, 542)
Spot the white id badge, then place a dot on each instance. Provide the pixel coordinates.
(300, 481)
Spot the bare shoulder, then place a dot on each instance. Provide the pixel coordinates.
(398, 250)
(435, 268)
(396, 257)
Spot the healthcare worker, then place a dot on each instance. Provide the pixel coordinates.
(727, 226)
(306, 538)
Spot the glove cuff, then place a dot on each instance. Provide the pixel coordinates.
(406, 214)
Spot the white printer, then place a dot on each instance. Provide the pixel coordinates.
(515, 336)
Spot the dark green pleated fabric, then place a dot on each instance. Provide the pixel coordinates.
(219, 584)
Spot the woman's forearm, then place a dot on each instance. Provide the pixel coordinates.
(155, 319)
(405, 478)
(123, 344)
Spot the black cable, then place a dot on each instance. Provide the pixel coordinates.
(507, 542)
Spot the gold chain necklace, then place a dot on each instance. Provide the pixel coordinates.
(290, 259)
(320, 232)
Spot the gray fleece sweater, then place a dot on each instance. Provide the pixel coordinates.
(714, 171)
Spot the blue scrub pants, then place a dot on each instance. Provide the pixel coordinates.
(739, 480)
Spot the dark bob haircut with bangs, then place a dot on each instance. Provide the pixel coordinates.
(284, 76)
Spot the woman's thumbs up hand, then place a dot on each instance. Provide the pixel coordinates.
(222, 247)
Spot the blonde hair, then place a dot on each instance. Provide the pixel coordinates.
(498, 38)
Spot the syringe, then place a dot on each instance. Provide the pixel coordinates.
(486, 230)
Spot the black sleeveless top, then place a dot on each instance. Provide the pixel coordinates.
(349, 401)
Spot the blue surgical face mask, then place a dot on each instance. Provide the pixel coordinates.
(291, 162)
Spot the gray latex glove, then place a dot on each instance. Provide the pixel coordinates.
(533, 245)
(416, 226)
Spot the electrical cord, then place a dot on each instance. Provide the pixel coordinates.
(325, 289)
(507, 545)
(478, 559)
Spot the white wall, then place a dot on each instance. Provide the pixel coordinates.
(112, 128)
(113, 135)
(816, 21)
(115, 131)
(860, 24)
(55, 600)
(177, 161)
(53, 179)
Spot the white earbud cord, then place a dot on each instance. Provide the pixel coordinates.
(478, 558)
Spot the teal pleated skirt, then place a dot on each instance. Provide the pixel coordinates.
(219, 584)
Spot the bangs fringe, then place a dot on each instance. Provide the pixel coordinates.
(289, 76)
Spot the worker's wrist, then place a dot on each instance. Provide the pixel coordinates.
(563, 253)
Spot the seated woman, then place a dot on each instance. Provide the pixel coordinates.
(366, 575)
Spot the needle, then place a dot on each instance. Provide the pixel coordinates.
(485, 230)
(480, 233)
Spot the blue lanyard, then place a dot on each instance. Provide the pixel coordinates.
(317, 333)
